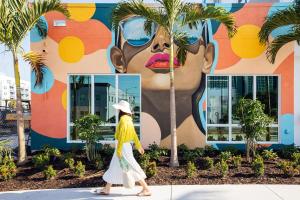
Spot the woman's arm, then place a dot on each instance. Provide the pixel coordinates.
(121, 136)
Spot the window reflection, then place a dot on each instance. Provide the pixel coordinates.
(217, 100)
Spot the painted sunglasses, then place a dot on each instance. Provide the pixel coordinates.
(135, 34)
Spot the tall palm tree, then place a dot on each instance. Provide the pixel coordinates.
(165, 14)
(287, 17)
(17, 18)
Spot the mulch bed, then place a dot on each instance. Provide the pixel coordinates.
(31, 178)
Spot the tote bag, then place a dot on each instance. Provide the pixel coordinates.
(128, 180)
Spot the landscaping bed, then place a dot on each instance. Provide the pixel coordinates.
(32, 177)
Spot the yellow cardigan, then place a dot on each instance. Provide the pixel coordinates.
(126, 133)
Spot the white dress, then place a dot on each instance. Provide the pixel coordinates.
(114, 174)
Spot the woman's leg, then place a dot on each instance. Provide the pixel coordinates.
(145, 191)
(106, 189)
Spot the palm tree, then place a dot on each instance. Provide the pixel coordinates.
(287, 17)
(165, 14)
(17, 18)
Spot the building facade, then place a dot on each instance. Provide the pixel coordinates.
(90, 66)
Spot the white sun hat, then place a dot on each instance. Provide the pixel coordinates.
(123, 106)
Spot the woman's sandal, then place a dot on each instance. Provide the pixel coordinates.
(102, 192)
(144, 194)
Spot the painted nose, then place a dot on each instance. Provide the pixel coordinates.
(161, 41)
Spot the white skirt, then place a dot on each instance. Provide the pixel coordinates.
(114, 174)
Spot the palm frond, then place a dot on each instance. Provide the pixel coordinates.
(37, 64)
(288, 16)
(182, 42)
(280, 41)
(219, 14)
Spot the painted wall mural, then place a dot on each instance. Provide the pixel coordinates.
(88, 45)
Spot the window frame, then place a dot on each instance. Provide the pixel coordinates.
(92, 75)
(230, 125)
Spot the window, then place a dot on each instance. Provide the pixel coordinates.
(223, 94)
(95, 94)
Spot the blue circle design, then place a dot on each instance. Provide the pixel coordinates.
(47, 83)
(34, 33)
(284, 29)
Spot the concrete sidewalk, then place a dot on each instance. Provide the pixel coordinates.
(175, 192)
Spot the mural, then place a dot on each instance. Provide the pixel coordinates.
(88, 45)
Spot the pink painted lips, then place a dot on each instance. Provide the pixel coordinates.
(161, 61)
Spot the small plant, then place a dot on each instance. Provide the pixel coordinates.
(191, 169)
(151, 169)
(69, 162)
(79, 169)
(211, 151)
(288, 168)
(222, 168)
(258, 166)
(144, 161)
(237, 161)
(269, 155)
(296, 158)
(239, 138)
(155, 152)
(8, 170)
(286, 152)
(49, 172)
(40, 160)
(208, 163)
(233, 150)
(225, 155)
(99, 164)
(51, 151)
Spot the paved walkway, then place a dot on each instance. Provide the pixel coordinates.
(175, 192)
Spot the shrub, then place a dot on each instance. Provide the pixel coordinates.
(99, 164)
(237, 161)
(222, 168)
(151, 169)
(191, 169)
(233, 150)
(69, 162)
(210, 151)
(79, 169)
(40, 160)
(225, 155)
(51, 151)
(8, 170)
(7, 159)
(258, 166)
(107, 152)
(296, 158)
(208, 163)
(269, 155)
(286, 152)
(288, 168)
(144, 161)
(155, 152)
(239, 138)
(49, 172)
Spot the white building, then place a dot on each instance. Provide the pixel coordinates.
(8, 90)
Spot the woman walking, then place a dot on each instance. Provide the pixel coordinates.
(125, 133)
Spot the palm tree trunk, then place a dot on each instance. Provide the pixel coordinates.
(174, 157)
(20, 119)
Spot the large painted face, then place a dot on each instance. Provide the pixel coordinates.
(148, 54)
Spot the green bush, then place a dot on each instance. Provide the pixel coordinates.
(208, 163)
(49, 172)
(222, 168)
(269, 155)
(51, 151)
(191, 170)
(239, 138)
(296, 158)
(98, 163)
(211, 151)
(8, 170)
(237, 161)
(40, 160)
(107, 152)
(286, 152)
(225, 155)
(258, 166)
(155, 152)
(79, 169)
(144, 161)
(7, 159)
(182, 148)
(288, 168)
(151, 169)
(233, 150)
(69, 162)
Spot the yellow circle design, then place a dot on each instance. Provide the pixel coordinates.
(71, 49)
(81, 12)
(245, 43)
(64, 99)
